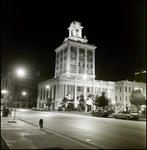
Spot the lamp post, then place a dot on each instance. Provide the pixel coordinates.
(10, 85)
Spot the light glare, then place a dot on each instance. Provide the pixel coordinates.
(4, 91)
(20, 72)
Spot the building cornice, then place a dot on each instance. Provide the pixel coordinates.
(77, 44)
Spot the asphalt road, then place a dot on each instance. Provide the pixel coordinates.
(108, 133)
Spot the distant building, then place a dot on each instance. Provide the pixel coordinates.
(123, 90)
(140, 76)
(74, 73)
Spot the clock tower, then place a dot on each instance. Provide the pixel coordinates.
(75, 32)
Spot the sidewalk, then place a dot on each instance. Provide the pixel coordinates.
(21, 135)
(3, 144)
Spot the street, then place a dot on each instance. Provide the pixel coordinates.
(108, 133)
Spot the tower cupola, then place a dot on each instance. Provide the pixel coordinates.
(75, 32)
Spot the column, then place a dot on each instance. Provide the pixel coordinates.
(86, 61)
(68, 58)
(75, 96)
(52, 91)
(45, 90)
(78, 60)
(39, 94)
(84, 93)
(59, 63)
(94, 62)
(42, 94)
(65, 90)
(63, 62)
(56, 65)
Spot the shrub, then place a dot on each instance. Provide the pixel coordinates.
(5, 112)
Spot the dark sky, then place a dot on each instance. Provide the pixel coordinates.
(32, 30)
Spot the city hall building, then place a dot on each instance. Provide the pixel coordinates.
(75, 74)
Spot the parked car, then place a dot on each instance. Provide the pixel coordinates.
(126, 115)
(60, 109)
(135, 113)
(99, 113)
(33, 108)
(113, 114)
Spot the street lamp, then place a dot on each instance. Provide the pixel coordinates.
(19, 72)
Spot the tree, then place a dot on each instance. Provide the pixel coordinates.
(101, 101)
(64, 101)
(81, 106)
(49, 102)
(137, 98)
(70, 106)
(33, 103)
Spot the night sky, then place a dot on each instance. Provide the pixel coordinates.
(32, 30)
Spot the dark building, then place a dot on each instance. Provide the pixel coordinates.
(140, 76)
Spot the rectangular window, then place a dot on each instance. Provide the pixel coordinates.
(81, 50)
(82, 64)
(126, 98)
(120, 89)
(125, 89)
(88, 89)
(120, 98)
(129, 89)
(79, 89)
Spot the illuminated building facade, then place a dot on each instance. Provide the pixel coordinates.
(123, 90)
(75, 76)
(74, 73)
